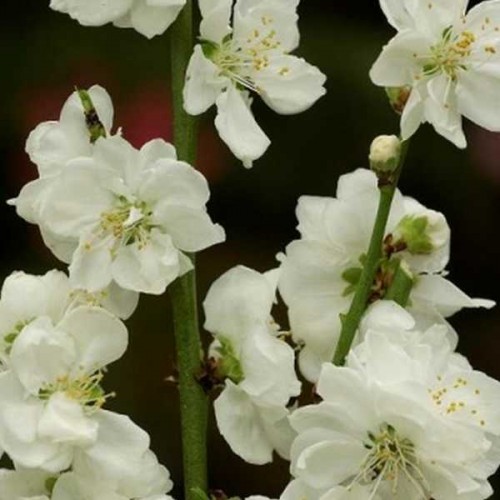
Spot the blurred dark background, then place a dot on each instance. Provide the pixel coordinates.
(45, 54)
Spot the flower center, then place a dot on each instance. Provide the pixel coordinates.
(450, 54)
(85, 389)
(128, 223)
(239, 59)
(390, 457)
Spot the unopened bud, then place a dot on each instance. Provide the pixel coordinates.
(385, 153)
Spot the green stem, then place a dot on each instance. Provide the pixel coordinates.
(401, 285)
(350, 321)
(193, 401)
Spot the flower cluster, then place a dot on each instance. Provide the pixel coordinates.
(55, 345)
(123, 219)
(405, 417)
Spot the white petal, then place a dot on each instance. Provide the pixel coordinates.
(151, 20)
(40, 354)
(357, 183)
(269, 368)
(32, 198)
(290, 85)
(78, 197)
(437, 291)
(413, 114)
(326, 463)
(442, 112)
(239, 423)
(119, 441)
(238, 129)
(203, 83)
(64, 421)
(97, 12)
(216, 15)
(120, 302)
(156, 149)
(100, 338)
(478, 97)
(191, 229)
(50, 146)
(29, 296)
(237, 301)
(90, 268)
(62, 248)
(397, 65)
(148, 269)
(18, 430)
(174, 182)
(398, 14)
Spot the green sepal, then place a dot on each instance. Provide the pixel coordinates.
(209, 48)
(413, 232)
(229, 365)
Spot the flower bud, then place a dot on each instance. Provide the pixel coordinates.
(398, 97)
(385, 152)
(423, 233)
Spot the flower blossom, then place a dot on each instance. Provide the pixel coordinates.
(148, 17)
(249, 55)
(53, 385)
(123, 216)
(25, 298)
(320, 271)
(257, 365)
(406, 417)
(447, 61)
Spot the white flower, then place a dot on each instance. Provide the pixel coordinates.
(148, 17)
(449, 60)
(251, 55)
(398, 435)
(251, 412)
(53, 386)
(25, 298)
(321, 270)
(126, 216)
